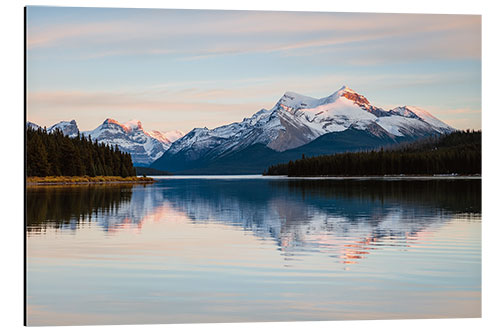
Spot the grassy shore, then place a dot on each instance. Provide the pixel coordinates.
(61, 180)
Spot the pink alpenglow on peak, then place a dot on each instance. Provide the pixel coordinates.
(133, 125)
(166, 137)
(144, 147)
(111, 121)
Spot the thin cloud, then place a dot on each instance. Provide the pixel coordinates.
(165, 72)
(270, 32)
(81, 100)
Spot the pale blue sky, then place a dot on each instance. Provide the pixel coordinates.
(180, 69)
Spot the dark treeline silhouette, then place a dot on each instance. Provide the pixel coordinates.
(151, 171)
(54, 154)
(456, 196)
(60, 206)
(455, 153)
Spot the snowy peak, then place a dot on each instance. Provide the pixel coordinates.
(128, 127)
(133, 125)
(427, 117)
(166, 137)
(110, 123)
(68, 128)
(31, 125)
(346, 89)
(351, 95)
(144, 147)
(292, 101)
(296, 120)
(404, 112)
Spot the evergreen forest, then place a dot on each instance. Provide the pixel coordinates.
(54, 154)
(455, 153)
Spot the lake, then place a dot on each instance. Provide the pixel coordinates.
(253, 248)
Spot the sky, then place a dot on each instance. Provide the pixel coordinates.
(181, 69)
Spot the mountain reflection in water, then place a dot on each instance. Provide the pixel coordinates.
(241, 249)
(347, 219)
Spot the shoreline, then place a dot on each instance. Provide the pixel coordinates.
(260, 176)
(86, 180)
(438, 176)
(150, 179)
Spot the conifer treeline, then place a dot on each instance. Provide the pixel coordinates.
(54, 154)
(454, 153)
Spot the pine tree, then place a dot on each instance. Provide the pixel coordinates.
(55, 154)
(36, 156)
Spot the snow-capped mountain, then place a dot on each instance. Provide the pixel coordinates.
(260, 128)
(347, 109)
(296, 120)
(166, 137)
(295, 125)
(68, 128)
(31, 125)
(130, 137)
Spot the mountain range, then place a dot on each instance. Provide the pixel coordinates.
(295, 126)
(143, 146)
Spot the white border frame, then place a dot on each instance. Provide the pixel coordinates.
(11, 137)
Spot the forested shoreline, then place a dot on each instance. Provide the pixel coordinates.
(455, 153)
(54, 154)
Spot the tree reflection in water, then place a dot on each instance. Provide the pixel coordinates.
(345, 218)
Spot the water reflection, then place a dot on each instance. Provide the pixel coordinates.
(232, 250)
(347, 219)
(68, 207)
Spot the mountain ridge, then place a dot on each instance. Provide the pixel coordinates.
(287, 129)
(130, 137)
(296, 120)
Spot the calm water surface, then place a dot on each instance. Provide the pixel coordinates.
(232, 249)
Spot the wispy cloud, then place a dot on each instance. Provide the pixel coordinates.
(83, 101)
(230, 33)
(180, 69)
